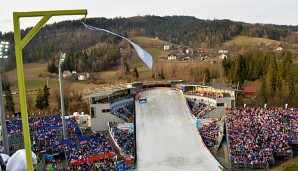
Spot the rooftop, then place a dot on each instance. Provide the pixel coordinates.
(105, 90)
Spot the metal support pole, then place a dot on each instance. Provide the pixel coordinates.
(19, 45)
(3, 120)
(62, 102)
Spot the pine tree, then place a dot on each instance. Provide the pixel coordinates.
(162, 74)
(226, 64)
(279, 77)
(263, 90)
(207, 75)
(271, 76)
(237, 74)
(39, 100)
(46, 96)
(135, 73)
(291, 81)
(9, 104)
(126, 68)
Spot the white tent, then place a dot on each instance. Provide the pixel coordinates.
(4, 160)
(17, 162)
(4, 157)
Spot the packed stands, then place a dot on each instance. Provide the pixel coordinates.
(124, 139)
(81, 152)
(199, 109)
(125, 112)
(256, 135)
(209, 132)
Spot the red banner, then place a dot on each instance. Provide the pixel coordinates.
(92, 159)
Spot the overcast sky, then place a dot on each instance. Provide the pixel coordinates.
(281, 12)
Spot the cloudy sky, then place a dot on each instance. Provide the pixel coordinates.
(283, 12)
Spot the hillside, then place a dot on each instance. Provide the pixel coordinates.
(252, 41)
(72, 37)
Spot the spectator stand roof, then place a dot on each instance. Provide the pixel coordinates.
(106, 91)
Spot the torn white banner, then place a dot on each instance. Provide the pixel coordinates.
(145, 56)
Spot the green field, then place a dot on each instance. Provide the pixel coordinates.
(32, 81)
(149, 42)
(244, 41)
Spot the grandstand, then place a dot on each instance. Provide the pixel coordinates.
(258, 136)
(110, 104)
(164, 128)
(47, 142)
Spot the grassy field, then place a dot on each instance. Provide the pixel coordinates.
(244, 40)
(32, 81)
(149, 42)
(31, 71)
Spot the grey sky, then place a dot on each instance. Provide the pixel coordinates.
(252, 11)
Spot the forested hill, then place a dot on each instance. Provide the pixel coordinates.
(71, 36)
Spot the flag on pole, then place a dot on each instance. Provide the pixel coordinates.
(145, 56)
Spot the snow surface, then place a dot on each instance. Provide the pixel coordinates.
(166, 135)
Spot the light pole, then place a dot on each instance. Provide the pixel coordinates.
(4, 45)
(61, 60)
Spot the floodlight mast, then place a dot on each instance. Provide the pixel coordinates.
(4, 45)
(19, 45)
(62, 57)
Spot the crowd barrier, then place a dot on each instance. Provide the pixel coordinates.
(250, 166)
(92, 159)
(117, 147)
(152, 88)
(112, 139)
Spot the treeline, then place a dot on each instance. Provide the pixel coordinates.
(278, 78)
(72, 37)
(102, 57)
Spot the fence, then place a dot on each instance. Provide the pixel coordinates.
(250, 166)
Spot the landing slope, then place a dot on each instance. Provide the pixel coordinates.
(166, 135)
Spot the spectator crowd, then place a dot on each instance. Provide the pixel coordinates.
(125, 113)
(256, 134)
(209, 132)
(124, 139)
(46, 137)
(199, 109)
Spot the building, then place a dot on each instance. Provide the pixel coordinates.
(204, 50)
(223, 56)
(223, 51)
(189, 51)
(167, 47)
(204, 57)
(172, 57)
(249, 91)
(83, 76)
(66, 74)
(219, 97)
(104, 100)
(279, 49)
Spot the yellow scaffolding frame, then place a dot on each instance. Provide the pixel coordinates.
(19, 45)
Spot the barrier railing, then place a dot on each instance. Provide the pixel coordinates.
(250, 166)
(92, 159)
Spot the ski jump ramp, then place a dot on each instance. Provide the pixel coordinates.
(167, 139)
